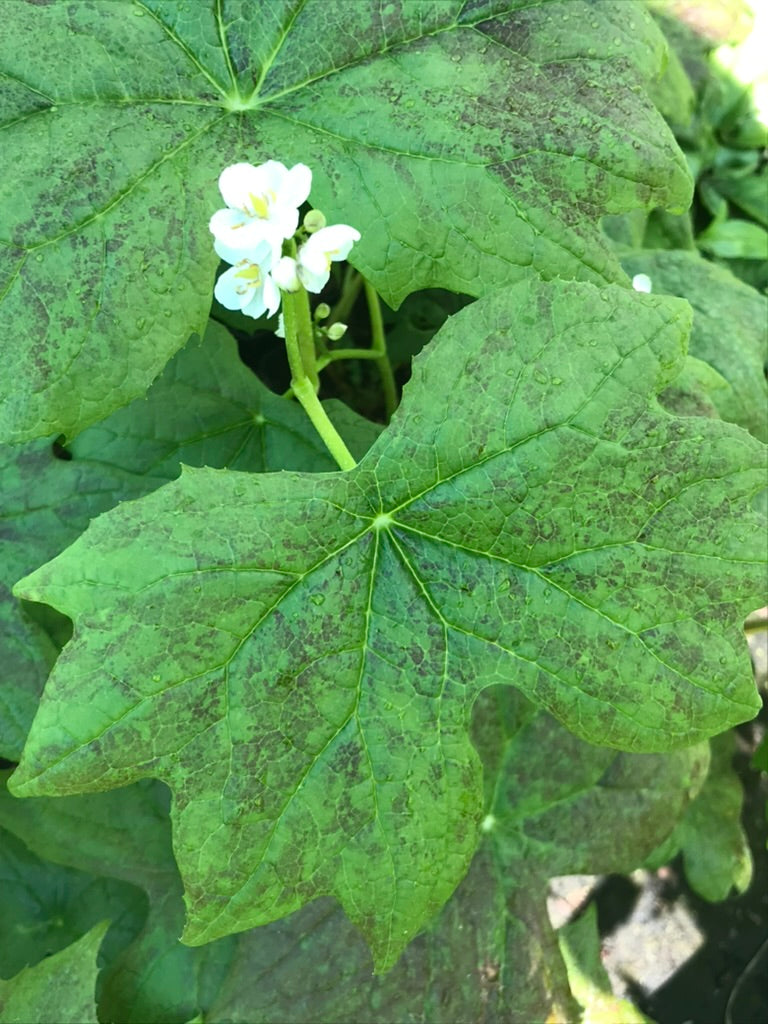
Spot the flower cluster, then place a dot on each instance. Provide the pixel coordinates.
(262, 213)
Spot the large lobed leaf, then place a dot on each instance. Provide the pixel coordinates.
(297, 655)
(466, 139)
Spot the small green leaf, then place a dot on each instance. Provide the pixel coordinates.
(58, 990)
(749, 193)
(735, 239)
(580, 946)
(296, 655)
(715, 849)
(46, 906)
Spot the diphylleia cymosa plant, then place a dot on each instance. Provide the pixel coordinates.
(286, 717)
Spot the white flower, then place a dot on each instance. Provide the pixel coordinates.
(247, 284)
(284, 274)
(316, 254)
(641, 283)
(280, 329)
(262, 204)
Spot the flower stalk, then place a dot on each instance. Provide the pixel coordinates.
(303, 368)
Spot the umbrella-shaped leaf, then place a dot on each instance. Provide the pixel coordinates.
(297, 655)
(466, 141)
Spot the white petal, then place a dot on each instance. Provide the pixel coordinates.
(280, 329)
(260, 253)
(225, 219)
(237, 182)
(228, 290)
(313, 258)
(244, 235)
(335, 240)
(271, 176)
(256, 306)
(285, 219)
(313, 280)
(642, 283)
(271, 296)
(284, 274)
(296, 186)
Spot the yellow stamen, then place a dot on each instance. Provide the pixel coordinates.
(251, 274)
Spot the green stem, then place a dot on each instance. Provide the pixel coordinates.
(379, 346)
(305, 393)
(303, 328)
(345, 353)
(350, 289)
(296, 314)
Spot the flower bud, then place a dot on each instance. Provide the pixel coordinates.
(284, 274)
(337, 331)
(322, 311)
(641, 283)
(314, 221)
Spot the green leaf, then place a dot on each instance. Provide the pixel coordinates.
(410, 327)
(58, 990)
(207, 409)
(297, 655)
(697, 391)
(729, 322)
(124, 834)
(735, 239)
(715, 849)
(580, 947)
(587, 811)
(749, 193)
(673, 92)
(158, 979)
(46, 907)
(115, 136)
(491, 946)
(669, 231)
(45, 503)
